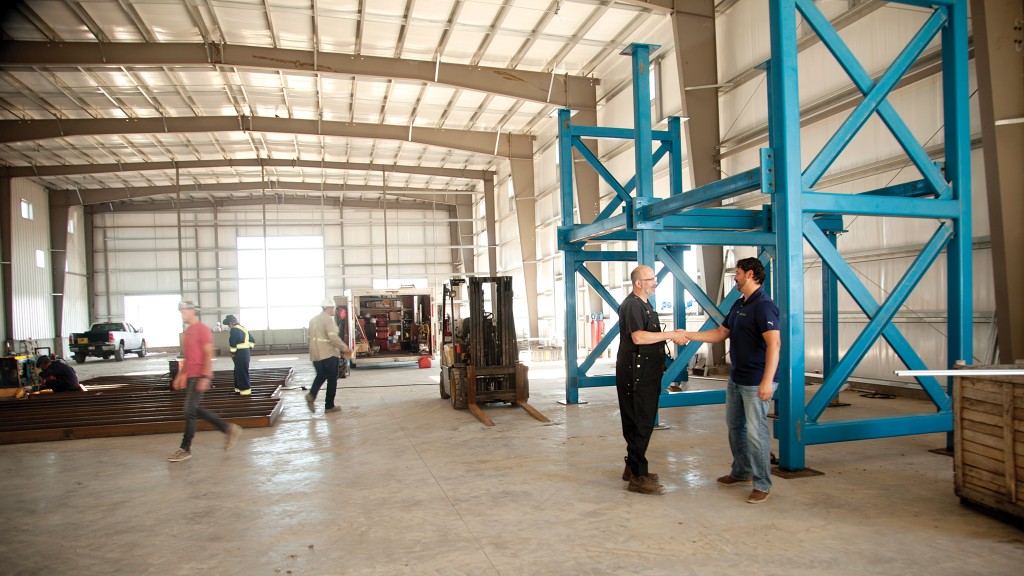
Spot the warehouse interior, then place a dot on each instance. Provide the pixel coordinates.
(258, 157)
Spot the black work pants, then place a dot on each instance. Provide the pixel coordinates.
(241, 359)
(326, 370)
(639, 386)
(193, 398)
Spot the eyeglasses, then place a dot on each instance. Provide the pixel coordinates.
(648, 280)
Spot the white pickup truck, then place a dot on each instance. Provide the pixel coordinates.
(106, 339)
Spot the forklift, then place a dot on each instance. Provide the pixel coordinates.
(480, 356)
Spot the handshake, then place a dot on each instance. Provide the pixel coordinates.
(680, 337)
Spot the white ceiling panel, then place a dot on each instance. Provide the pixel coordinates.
(283, 85)
(168, 22)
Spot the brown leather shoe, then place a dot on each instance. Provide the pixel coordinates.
(644, 485)
(756, 497)
(627, 474)
(730, 480)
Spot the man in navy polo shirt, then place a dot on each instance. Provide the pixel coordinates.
(752, 325)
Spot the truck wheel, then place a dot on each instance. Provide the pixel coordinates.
(142, 351)
(80, 358)
(119, 353)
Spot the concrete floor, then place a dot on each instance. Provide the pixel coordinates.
(400, 483)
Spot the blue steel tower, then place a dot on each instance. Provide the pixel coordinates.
(794, 214)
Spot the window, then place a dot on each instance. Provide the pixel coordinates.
(26, 210)
(280, 281)
(40, 259)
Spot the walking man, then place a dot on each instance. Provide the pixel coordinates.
(639, 366)
(240, 343)
(194, 374)
(325, 350)
(753, 326)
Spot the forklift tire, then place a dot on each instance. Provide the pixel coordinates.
(344, 369)
(458, 391)
(79, 358)
(440, 384)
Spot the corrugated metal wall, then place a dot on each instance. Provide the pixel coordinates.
(32, 314)
(136, 253)
(76, 297)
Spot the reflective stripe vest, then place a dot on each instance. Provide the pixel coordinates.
(246, 342)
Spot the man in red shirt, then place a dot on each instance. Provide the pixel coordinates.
(195, 374)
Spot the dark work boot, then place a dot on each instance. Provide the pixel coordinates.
(644, 485)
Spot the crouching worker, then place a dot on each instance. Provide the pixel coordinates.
(58, 376)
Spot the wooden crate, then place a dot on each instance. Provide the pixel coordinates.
(988, 441)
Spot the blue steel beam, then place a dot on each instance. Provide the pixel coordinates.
(596, 381)
(872, 98)
(572, 376)
(565, 164)
(828, 203)
(603, 345)
(867, 303)
(788, 216)
(914, 189)
(617, 133)
(585, 232)
(959, 256)
(844, 431)
(599, 167)
(597, 286)
(603, 256)
(725, 188)
(717, 219)
(715, 238)
(879, 321)
(844, 56)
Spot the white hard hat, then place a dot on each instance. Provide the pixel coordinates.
(328, 303)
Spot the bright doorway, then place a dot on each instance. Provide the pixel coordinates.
(157, 315)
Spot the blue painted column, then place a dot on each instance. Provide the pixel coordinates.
(565, 174)
(641, 62)
(788, 220)
(829, 315)
(958, 174)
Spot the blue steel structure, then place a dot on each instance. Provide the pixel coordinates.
(794, 213)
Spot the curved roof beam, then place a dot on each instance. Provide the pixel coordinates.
(79, 169)
(558, 90)
(85, 196)
(505, 145)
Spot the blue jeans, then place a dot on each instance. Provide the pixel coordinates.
(746, 416)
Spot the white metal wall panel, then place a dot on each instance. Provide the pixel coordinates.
(31, 285)
(137, 253)
(76, 299)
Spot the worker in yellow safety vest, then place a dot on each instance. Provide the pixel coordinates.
(240, 343)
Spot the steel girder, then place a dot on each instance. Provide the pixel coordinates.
(542, 87)
(795, 213)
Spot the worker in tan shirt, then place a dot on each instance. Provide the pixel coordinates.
(325, 350)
